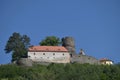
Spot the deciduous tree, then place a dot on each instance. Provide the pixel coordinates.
(50, 41)
(17, 44)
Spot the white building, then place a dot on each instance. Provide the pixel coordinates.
(105, 61)
(52, 54)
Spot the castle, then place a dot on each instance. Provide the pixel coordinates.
(61, 54)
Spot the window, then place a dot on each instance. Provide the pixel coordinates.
(34, 53)
(43, 53)
(48, 57)
(53, 53)
(63, 54)
(70, 55)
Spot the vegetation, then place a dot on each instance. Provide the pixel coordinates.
(17, 44)
(60, 72)
(50, 41)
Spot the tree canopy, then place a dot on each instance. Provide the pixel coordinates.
(17, 44)
(50, 41)
(60, 72)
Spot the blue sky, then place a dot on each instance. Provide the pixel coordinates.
(94, 24)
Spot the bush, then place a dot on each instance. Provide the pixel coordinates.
(60, 72)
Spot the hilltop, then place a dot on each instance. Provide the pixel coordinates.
(73, 71)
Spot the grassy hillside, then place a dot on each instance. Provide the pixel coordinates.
(60, 72)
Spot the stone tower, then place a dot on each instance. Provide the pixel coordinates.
(68, 43)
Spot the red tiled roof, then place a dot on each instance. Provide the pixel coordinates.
(104, 59)
(48, 48)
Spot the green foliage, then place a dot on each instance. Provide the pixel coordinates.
(60, 72)
(17, 44)
(50, 41)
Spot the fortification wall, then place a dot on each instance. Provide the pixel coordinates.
(84, 59)
(24, 62)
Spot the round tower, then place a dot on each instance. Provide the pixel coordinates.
(68, 43)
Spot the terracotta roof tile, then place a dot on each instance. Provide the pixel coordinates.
(104, 59)
(48, 48)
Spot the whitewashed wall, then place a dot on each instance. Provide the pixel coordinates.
(107, 62)
(55, 57)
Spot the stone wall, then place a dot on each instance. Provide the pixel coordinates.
(84, 59)
(24, 62)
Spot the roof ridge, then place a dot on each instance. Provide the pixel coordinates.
(48, 48)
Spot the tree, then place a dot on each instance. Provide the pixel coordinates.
(50, 41)
(17, 44)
